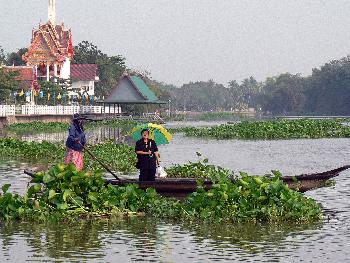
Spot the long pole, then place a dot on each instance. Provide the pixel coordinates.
(102, 164)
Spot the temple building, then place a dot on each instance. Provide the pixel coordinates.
(49, 58)
(51, 49)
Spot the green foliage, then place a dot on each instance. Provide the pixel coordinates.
(15, 58)
(37, 126)
(33, 151)
(271, 130)
(63, 193)
(110, 68)
(2, 56)
(283, 94)
(8, 84)
(200, 169)
(251, 198)
(50, 127)
(52, 88)
(121, 157)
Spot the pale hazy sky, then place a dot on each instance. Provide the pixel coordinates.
(188, 40)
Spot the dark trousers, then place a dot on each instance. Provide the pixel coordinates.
(147, 175)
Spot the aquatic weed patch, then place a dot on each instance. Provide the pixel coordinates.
(51, 127)
(273, 130)
(31, 151)
(37, 126)
(263, 198)
(63, 193)
(200, 169)
(120, 157)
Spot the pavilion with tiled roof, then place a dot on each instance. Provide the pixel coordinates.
(131, 90)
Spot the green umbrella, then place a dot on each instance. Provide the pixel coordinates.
(156, 132)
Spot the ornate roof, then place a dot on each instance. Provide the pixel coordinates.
(50, 43)
(83, 72)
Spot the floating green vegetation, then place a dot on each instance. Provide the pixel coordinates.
(272, 130)
(32, 151)
(63, 193)
(50, 127)
(37, 126)
(208, 116)
(200, 169)
(120, 156)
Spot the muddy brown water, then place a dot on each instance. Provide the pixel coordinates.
(155, 240)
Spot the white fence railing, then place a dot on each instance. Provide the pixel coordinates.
(7, 110)
(49, 110)
(113, 110)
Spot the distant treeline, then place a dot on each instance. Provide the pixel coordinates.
(325, 91)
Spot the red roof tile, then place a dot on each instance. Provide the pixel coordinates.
(25, 73)
(25, 76)
(83, 72)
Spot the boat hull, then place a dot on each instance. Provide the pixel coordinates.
(180, 187)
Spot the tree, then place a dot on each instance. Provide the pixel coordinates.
(328, 89)
(15, 58)
(110, 69)
(2, 56)
(283, 94)
(8, 85)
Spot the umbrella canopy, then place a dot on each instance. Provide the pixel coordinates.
(156, 132)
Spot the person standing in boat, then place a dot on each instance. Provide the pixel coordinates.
(75, 142)
(147, 157)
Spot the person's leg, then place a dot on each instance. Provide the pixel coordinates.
(143, 175)
(151, 175)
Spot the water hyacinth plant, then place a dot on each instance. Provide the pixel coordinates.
(272, 130)
(51, 127)
(63, 193)
(120, 157)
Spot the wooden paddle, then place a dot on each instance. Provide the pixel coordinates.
(102, 164)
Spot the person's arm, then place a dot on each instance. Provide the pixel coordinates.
(143, 153)
(156, 152)
(158, 157)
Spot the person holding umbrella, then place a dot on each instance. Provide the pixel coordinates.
(75, 143)
(147, 157)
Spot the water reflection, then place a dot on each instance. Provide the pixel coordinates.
(146, 239)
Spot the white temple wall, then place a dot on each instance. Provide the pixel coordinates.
(65, 70)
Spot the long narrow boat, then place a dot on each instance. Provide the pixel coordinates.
(179, 188)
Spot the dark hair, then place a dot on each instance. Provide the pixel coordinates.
(143, 130)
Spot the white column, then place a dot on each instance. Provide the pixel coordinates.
(47, 72)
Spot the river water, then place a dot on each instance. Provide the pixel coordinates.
(154, 240)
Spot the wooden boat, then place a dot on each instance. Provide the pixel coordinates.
(179, 188)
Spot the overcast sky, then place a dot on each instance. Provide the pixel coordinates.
(188, 40)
